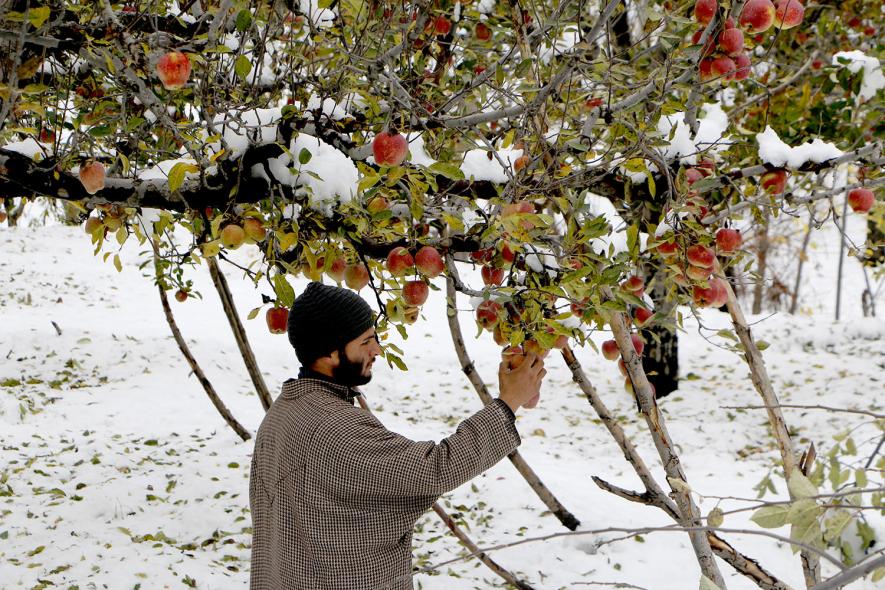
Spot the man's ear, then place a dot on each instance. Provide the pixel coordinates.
(336, 358)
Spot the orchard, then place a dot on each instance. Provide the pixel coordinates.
(565, 169)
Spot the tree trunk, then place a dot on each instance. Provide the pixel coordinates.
(803, 254)
(761, 262)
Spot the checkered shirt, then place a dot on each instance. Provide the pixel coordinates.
(334, 495)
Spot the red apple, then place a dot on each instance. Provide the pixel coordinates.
(92, 176)
(698, 273)
(731, 41)
(429, 262)
(389, 149)
(254, 229)
(492, 275)
(774, 181)
(592, 103)
(728, 240)
(861, 200)
(610, 350)
(705, 69)
(482, 32)
(441, 26)
(723, 68)
(579, 308)
(701, 256)
(517, 208)
(399, 261)
(336, 270)
(520, 163)
(233, 236)
(415, 292)
(692, 175)
(356, 276)
(487, 314)
(667, 249)
(483, 256)
(788, 13)
(638, 344)
(277, 320)
(757, 16)
(704, 10)
(173, 70)
(622, 367)
(181, 295)
(742, 66)
(534, 347)
(714, 295)
(507, 252)
(641, 316)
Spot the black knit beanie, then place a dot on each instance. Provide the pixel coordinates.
(325, 318)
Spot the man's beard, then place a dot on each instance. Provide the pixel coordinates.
(348, 372)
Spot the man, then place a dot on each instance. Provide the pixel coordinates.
(334, 495)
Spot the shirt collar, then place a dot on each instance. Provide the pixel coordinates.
(343, 391)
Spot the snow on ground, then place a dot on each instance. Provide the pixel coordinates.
(116, 471)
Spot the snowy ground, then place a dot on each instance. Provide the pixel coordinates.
(115, 471)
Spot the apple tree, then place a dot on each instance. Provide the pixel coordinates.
(602, 162)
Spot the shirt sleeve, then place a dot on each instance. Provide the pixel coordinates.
(356, 455)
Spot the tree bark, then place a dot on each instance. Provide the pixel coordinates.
(195, 367)
(233, 318)
(803, 254)
(761, 262)
(666, 450)
(759, 376)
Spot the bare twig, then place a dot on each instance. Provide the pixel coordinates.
(233, 318)
(561, 512)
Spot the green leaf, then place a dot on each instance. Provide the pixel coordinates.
(715, 518)
(879, 574)
(244, 20)
(800, 486)
(835, 524)
(253, 313)
(284, 291)
(762, 345)
(804, 511)
(304, 156)
(860, 477)
(176, 175)
(38, 16)
(242, 67)
(771, 517)
(633, 238)
(117, 264)
(450, 171)
(810, 534)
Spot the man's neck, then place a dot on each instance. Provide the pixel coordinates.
(309, 373)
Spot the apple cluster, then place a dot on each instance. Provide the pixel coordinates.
(723, 56)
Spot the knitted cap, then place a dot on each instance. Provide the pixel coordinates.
(325, 318)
